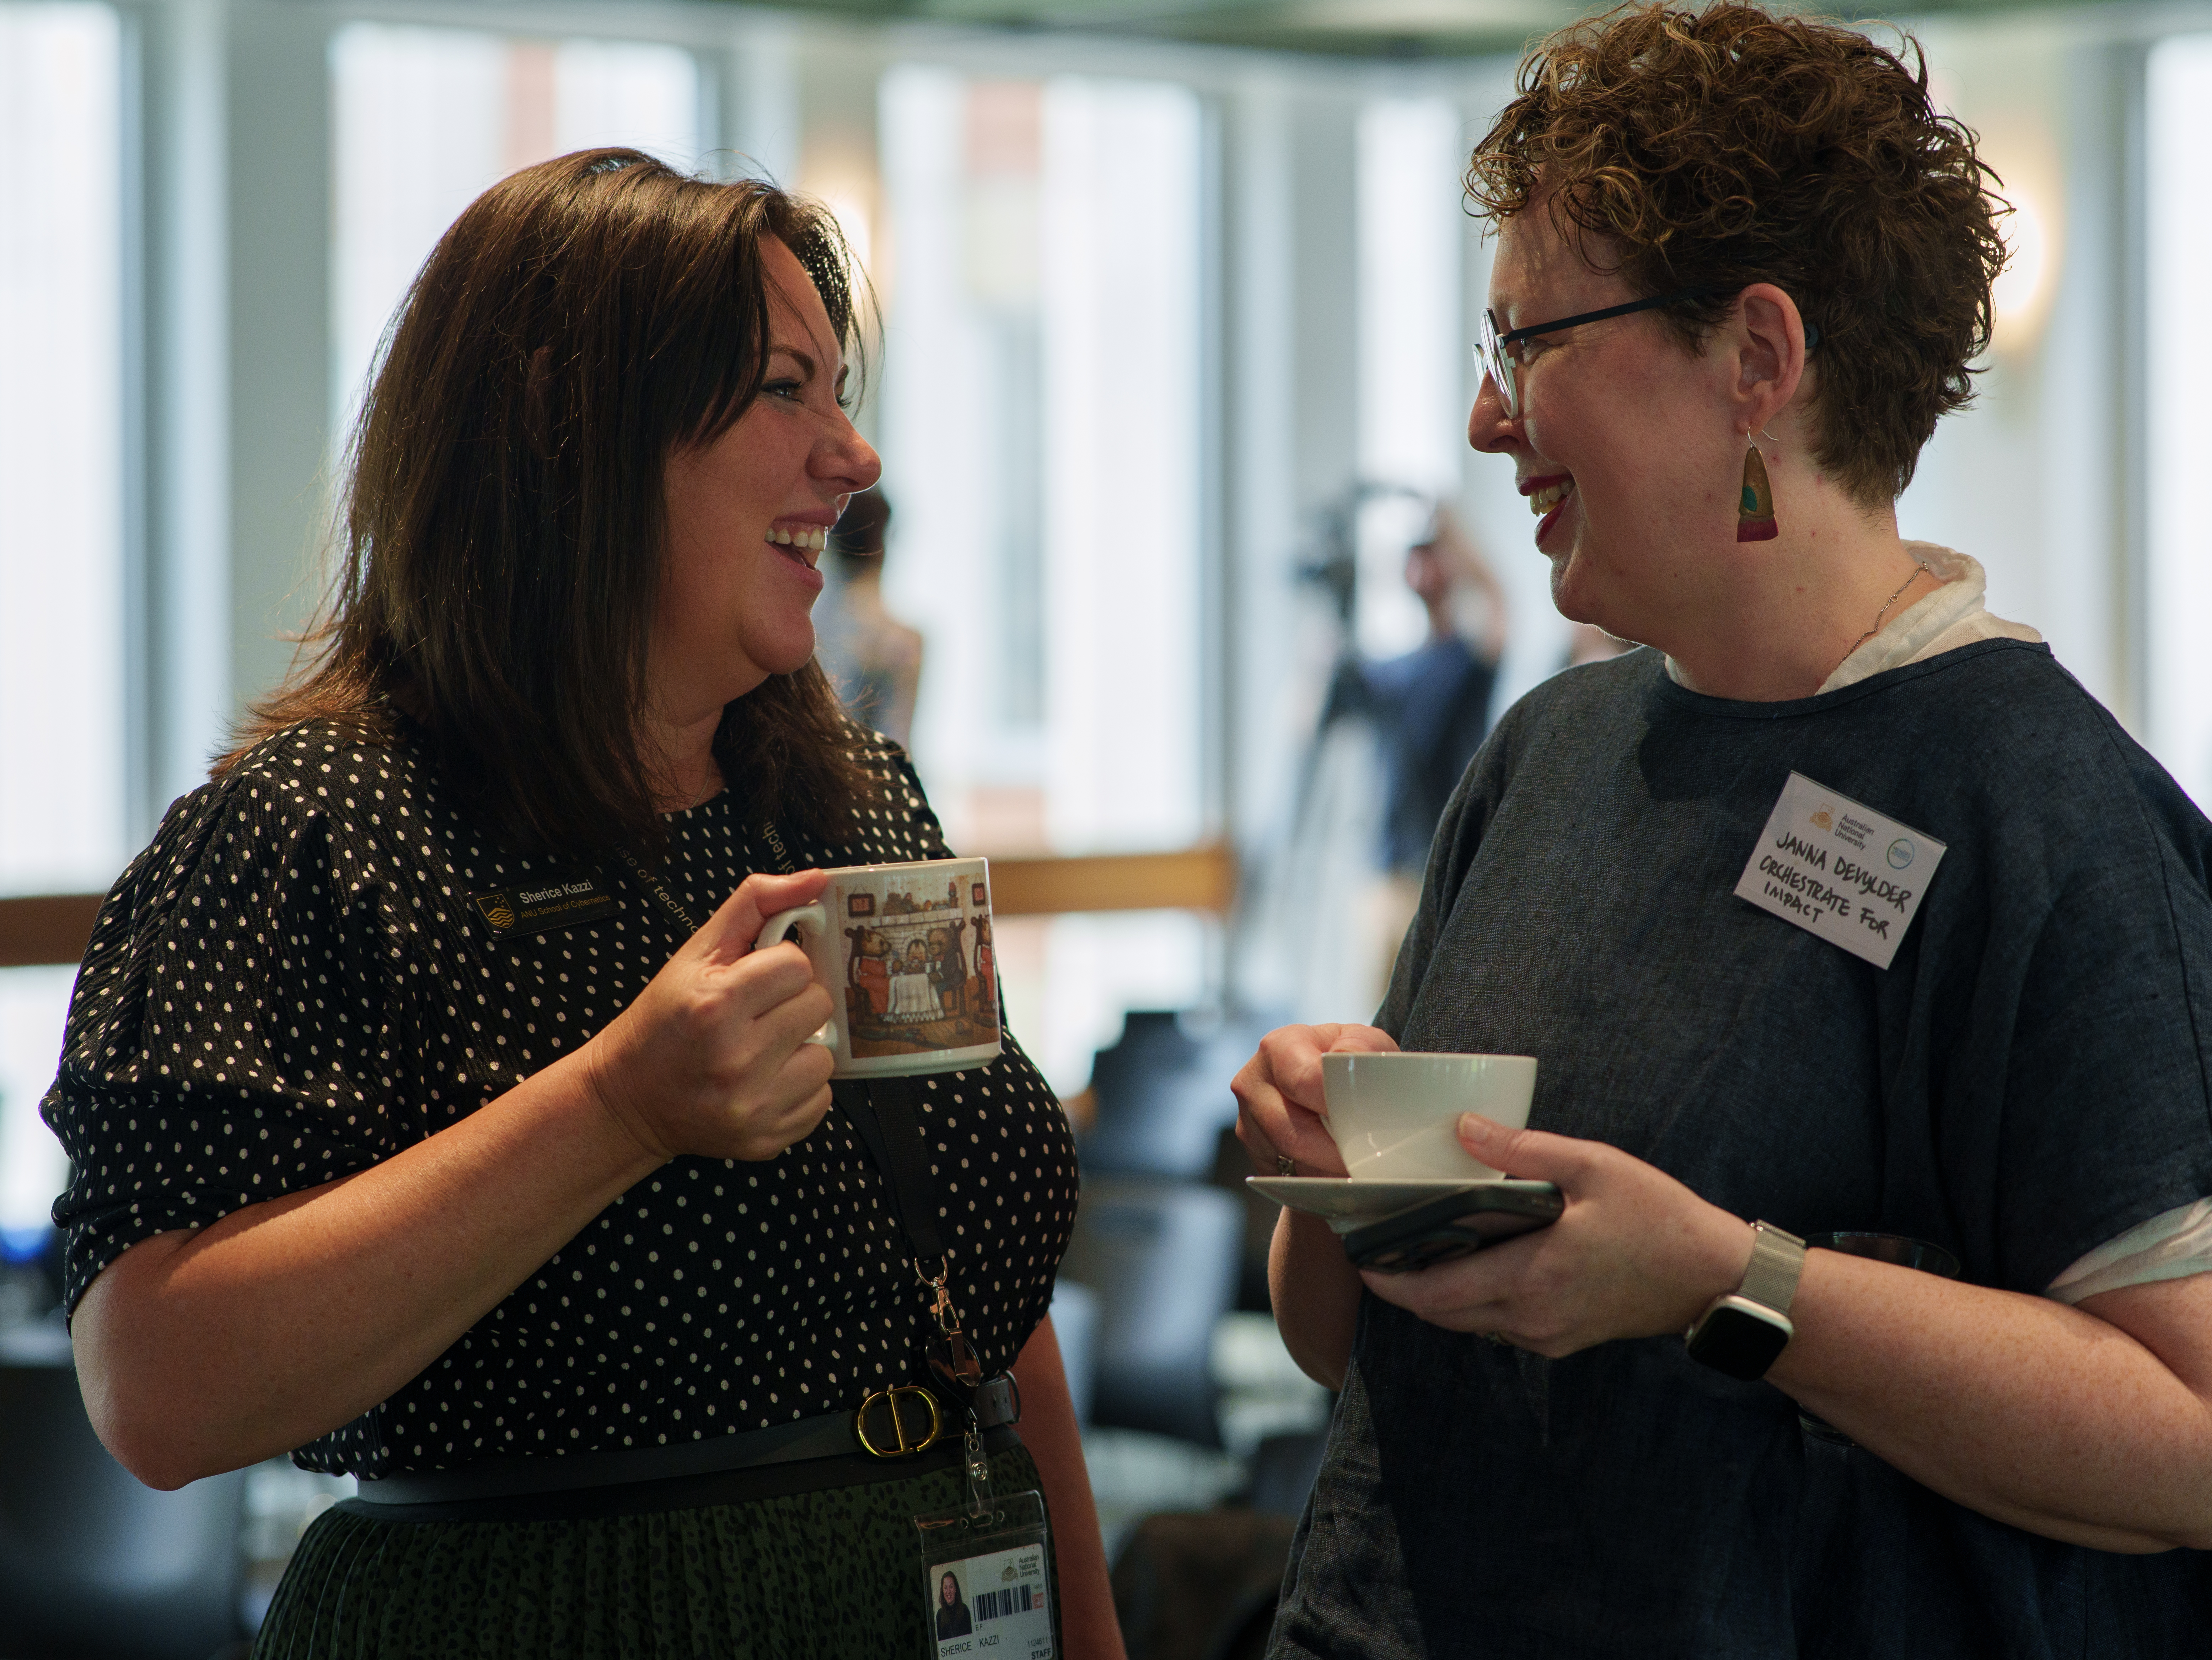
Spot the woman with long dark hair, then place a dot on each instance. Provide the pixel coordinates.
(953, 1619)
(421, 1126)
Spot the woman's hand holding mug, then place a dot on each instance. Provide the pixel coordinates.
(1281, 1112)
(713, 1058)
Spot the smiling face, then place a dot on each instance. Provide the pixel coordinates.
(749, 513)
(1626, 445)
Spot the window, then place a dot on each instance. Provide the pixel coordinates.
(63, 739)
(2177, 677)
(1415, 377)
(427, 119)
(1042, 446)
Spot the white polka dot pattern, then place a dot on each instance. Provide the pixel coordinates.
(288, 986)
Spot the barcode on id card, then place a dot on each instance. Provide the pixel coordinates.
(996, 1604)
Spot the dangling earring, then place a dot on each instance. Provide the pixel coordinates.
(1754, 507)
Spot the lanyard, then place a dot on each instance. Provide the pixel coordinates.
(887, 1127)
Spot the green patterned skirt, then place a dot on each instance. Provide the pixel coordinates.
(810, 1576)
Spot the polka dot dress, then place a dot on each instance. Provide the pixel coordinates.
(290, 985)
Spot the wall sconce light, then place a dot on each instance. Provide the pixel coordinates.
(2021, 297)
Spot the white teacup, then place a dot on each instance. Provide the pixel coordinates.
(1395, 1117)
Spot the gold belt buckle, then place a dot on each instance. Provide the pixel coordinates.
(886, 1402)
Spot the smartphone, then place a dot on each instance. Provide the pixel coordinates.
(1441, 1229)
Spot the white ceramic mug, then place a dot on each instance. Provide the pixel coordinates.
(1395, 1117)
(906, 952)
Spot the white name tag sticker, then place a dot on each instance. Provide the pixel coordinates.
(1837, 868)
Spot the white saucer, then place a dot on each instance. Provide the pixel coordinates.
(1346, 1204)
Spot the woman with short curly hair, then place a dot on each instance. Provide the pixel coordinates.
(1838, 908)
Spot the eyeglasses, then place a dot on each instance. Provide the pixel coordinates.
(1498, 354)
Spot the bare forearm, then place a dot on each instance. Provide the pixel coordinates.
(203, 1351)
(1049, 1432)
(1315, 1293)
(2018, 1407)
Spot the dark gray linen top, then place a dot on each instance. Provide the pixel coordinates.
(2027, 1080)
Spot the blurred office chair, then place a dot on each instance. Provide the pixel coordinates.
(1162, 1095)
(1232, 1166)
(93, 1566)
(1162, 1257)
(1201, 1585)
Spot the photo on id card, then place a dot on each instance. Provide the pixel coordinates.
(988, 1578)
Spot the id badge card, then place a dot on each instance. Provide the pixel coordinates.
(987, 1576)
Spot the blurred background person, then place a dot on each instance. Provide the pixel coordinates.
(1389, 743)
(1430, 710)
(872, 659)
(1431, 707)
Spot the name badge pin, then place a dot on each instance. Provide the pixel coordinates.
(1838, 869)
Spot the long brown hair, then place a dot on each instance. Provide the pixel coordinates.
(503, 521)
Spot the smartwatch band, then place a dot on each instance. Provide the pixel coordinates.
(1743, 1332)
(1777, 1259)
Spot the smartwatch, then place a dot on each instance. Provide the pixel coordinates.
(1744, 1331)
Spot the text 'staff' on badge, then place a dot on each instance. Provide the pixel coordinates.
(1837, 868)
(534, 907)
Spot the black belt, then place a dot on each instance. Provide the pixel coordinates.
(809, 1455)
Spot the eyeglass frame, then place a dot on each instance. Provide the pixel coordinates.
(1490, 355)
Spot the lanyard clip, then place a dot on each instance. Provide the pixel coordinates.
(978, 1468)
(952, 1361)
(941, 1309)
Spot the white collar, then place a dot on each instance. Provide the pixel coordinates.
(1954, 615)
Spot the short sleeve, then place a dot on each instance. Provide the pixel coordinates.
(2106, 1117)
(226, 1038)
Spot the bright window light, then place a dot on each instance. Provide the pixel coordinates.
(1120, 290)
(62, 738)
(427, 119)
(1041, 437)
(1413, 370)
(62, 752)
(2178, 144)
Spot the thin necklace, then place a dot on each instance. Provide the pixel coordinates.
(1918, 566)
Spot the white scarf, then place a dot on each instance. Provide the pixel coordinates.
(1950, 617)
